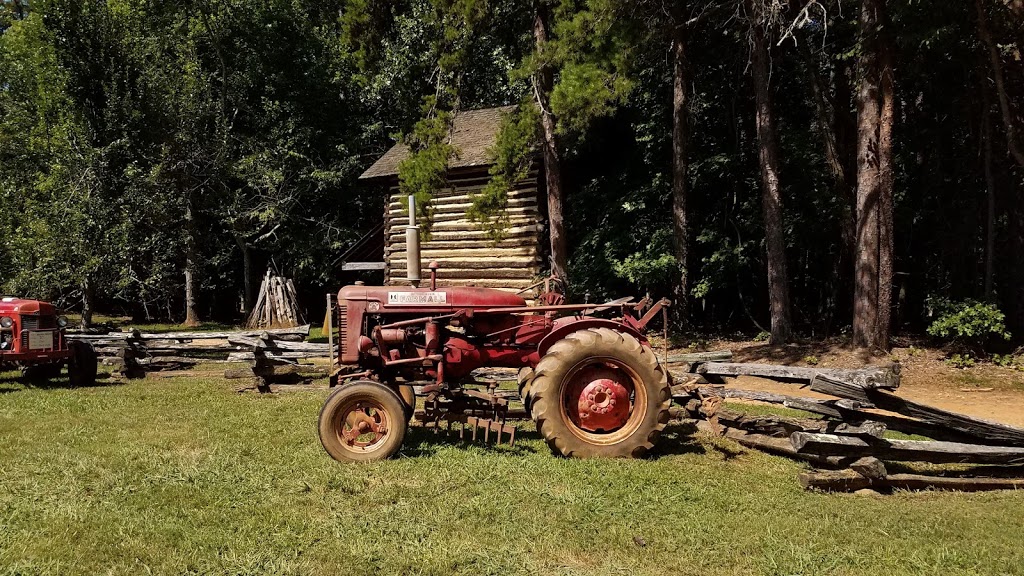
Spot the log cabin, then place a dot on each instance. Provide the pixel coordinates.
(464, 251)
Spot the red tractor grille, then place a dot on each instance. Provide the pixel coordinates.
(342, 326)
(37, 322)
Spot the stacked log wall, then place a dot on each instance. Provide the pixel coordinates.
(466, 254)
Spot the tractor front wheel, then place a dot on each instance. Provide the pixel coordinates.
(362, 421)
(600, 393)
(83, 366)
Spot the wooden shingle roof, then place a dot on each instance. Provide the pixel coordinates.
(474, 133)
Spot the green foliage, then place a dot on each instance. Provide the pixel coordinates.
(513, 155)
(811, 360)
(968, 321)
(1008, 361)
(763, 336)
(961, 361)
(424, 171)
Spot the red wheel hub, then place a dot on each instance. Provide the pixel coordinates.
(364, 425)
(601, 398)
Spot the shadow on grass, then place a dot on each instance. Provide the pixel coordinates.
(677, 439)
(424, 442)
(18, 383)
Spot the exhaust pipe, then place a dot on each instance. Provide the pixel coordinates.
(413, 266)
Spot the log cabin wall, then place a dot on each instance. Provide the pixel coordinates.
(465, 253)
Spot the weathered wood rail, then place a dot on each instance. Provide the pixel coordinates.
(850, 431)
(134, 353)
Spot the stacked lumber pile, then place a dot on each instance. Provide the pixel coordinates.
(848, 444)
(134, 353)
(276, 306)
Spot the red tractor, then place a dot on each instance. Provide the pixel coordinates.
(32, 338)
(593, 385)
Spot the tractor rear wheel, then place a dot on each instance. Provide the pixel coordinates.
(362, 421)
(525, 384)
(408, 396)
(600, 393)
(83, 366)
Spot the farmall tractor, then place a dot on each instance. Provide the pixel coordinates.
(32, 339)
(593, 385)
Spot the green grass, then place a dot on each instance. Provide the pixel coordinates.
(185, 476)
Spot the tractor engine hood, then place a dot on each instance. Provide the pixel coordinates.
(10, 305)
(396, 298)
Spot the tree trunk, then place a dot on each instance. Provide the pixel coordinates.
(997, 73)
(88, 301)
(248, 291)
(834, 131)
(771, 198)
(865, 299)
(990, 192)
(886, 183)
(680, 134)
(552, 156)
(191, 263)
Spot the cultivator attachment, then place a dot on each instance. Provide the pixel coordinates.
(471, 409)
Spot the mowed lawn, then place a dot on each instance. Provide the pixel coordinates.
(186, 476)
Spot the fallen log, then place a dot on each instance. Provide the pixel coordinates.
(987, 431)
(823, 407)
(991, 432)
(784, 427)
(870, 377)
(275, 344)
(905, 450)
(778, 446)
(693, 358)
(850, 481)
(275, 355)
(853, 411)
(825, 384)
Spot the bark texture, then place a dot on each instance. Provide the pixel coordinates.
(1009, 122)
(191, 265)
(886, 183)
(680, 166)
(865, 299)
(771, 196)
(551, 153)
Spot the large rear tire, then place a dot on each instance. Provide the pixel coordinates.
(408, 396)
(600, 393)
(83, 366)
(525, 384)
(362, 421)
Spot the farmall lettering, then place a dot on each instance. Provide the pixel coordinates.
(416, 298)
(587, 375)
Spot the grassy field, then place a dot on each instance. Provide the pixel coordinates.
(186, 476)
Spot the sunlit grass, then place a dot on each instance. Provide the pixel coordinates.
(184, 475)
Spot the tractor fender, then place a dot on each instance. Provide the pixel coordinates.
(565, 326)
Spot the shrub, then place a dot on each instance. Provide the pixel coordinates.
(968, 322)
(960, 361)
(763, 336)
(811, 360)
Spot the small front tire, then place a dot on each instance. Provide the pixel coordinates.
(362, 421)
